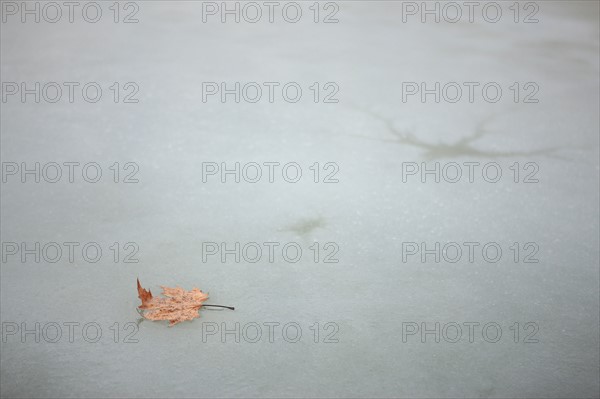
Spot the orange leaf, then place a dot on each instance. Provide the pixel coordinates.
(179, 304)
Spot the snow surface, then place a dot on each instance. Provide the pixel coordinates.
(370, 292)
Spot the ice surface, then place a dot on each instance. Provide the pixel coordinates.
(371, 292)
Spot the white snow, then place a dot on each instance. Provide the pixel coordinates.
(370, 292)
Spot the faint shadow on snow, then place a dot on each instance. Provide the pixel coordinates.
(461, 148)
(305, 227)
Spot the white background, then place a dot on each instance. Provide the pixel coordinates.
(370, 292)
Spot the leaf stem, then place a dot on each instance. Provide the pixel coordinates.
(220, 306)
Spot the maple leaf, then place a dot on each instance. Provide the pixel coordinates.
(179, 304)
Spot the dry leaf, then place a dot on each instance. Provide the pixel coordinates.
(179, 304)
